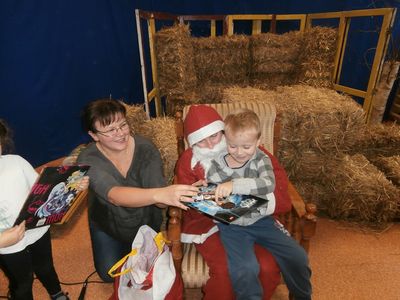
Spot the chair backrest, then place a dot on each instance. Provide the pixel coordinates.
(266, 111)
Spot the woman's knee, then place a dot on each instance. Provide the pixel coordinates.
(102, 271)
(102, 264)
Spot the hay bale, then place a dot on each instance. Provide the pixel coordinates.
(305, 164)
(312, 192)
(390, 166)
(135, 116)
(187, 64)
(211, 94)
(161, 131)
(378, 140)
(359, 192)
(248, 94)
(206, 94)
(174, 55)
(73, 155)
(311, 118)
(275, 58)
(317, 56)
(316, 124)
(319, 118)
(221, 60)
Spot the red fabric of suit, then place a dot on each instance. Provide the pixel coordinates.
(200, 226)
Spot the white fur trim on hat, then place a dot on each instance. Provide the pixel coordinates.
(205, 132)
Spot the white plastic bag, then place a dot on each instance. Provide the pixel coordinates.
(148, 272)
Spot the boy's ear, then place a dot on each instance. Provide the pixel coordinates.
(259, 142)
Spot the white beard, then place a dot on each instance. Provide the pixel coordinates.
(205, 155)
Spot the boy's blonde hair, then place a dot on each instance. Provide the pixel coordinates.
(243, 119)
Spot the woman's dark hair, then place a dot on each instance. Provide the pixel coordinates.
(6, 141)
(102, 110)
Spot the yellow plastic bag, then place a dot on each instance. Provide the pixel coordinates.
(147, 272)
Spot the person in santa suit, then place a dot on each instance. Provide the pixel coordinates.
(203, 129)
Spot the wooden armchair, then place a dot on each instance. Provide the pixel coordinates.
(300, 221)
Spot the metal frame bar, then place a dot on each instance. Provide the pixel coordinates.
(306, 20)
(142, 63)
(257, 19)
(151, 27)
(388, 15)
(377, 65)
(154, 94)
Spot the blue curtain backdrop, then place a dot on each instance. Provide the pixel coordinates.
(55, 56)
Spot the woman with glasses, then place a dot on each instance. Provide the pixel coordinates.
(127, 187)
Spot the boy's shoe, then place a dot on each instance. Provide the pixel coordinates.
(60, 296)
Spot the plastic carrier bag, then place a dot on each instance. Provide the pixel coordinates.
(147, 272)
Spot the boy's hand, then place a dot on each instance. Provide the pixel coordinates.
(223, 190)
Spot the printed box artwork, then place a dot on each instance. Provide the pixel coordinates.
(231, 208)
(53, 194)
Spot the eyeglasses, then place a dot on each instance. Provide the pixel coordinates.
(114, 131)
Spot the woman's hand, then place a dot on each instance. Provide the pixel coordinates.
(201, 182)
(223, 190)
(83, 184)
(12, 235)
(174, 195)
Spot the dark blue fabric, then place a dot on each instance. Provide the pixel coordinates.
(106, 251)
(243, 266)
(55, 56)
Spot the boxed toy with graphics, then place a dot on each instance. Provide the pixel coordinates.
(229, 208)
(52, 196)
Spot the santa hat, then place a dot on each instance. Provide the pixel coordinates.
(201, 121)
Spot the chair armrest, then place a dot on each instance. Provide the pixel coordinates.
(174, 236)
(301, 221)
(180, 139)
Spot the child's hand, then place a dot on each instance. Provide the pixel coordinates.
(223, 190)
(83, 184)
(12, 235)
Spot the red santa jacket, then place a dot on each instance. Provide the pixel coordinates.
(197, 227)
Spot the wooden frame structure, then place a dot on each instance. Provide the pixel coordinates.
(305, 21)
